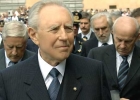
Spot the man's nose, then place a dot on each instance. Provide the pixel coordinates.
(100, 32)
(14, 51)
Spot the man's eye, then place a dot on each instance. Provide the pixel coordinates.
(10, 47)
(97, 29)
(19, 47)
(103, 28)
(69, 29)
(54, 30)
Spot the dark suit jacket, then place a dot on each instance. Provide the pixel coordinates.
(26, 55)
(24, 81)
(107, 54)
(88, 45)
(78, 45)
(91, 36)
(1, 45)
(31, 46)
(138, 43)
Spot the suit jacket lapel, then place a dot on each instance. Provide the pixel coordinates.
(71, 85)
(110, 62)
(36, 88)
(92, 35)
(134, 65)
(2, 59)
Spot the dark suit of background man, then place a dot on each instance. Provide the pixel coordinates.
(125, 36)
(86, 33)
(78, 78)
(14, 37)
(101, 23)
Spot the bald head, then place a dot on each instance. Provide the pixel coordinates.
(125, 32)
(125, 24)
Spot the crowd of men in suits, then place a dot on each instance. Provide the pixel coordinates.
(99, 63)
(113, 39)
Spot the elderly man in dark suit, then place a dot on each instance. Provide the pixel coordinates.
(121, 60)
(54, 73)
(14, 37)
(101, 23)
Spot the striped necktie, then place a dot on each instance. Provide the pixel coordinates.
(123, 70)
(55, 85)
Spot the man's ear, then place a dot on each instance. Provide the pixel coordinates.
(33, 35)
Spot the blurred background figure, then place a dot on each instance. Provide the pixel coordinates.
(115, 15)
(86, 32)
(14, 37)
(1, 28)
(136, 14)
(77, 40)
(101, 23)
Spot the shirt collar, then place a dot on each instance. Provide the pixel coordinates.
(46, 68)
(109, 42)
(87, 35)
(119, 56)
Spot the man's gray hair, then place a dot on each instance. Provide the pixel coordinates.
(14, 29)
(116, 14)
(98, 15)
(36, 8)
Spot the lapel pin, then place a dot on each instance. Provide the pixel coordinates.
(75, 88)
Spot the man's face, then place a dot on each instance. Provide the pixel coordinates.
(55, 34)
(85, 25)
(75, 28)
(15, 48)
(101, 29)
(124, 43)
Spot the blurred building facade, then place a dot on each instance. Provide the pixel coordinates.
(8, 5)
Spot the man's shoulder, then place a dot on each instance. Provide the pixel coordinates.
(103, 48)
(23, 66)
(82, 60)
(91, 41)
(29, 53)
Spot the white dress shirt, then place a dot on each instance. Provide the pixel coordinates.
(109, 42)
(46, 68)
(119, 60)
(87, 35)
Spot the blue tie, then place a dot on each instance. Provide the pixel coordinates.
(123, 70)
(55, 85)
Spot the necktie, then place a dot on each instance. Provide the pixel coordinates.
(55, 85)
(123, 70)
(85, 38)
(11, 63)
(104, 44)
